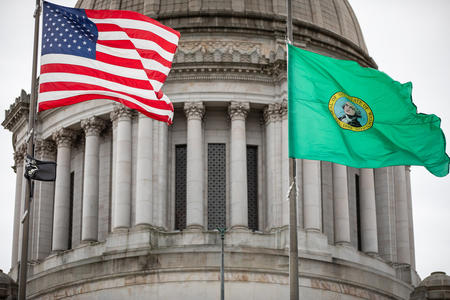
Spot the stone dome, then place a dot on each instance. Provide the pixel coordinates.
(436, 287)
(326, 23)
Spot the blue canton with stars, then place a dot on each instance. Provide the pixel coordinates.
(68, 31)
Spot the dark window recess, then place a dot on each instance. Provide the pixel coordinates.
(216, 186)
(358, 213)
(72, 182)
(252, 186)
(180, 187)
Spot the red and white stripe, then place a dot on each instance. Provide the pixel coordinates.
(133, 59)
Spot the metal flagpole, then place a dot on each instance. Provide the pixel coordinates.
(293, 244)
(30, 151)
(222, 265)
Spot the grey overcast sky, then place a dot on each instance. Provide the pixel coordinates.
(409, 40)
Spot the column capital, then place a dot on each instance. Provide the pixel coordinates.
(63, 137)
(272, 113)
(194, 110)
(121, 112)
(238, 110)
(44, 147)
(19, 154)
(93, 126)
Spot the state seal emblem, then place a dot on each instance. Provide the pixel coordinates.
(350, 112)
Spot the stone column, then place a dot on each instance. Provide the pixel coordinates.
(92, 128)
(19, 156)
(160, 189)
(401, 215)
(284, 165)
(369, 233)
(312, 196)
(341, 210)
(271, 116)
(412, 250)
(63, 138)
(238, 165)
(43, 204)
(122, 180)
(194, 165)
(144, 171)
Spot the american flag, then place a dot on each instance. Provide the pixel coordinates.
(105, 54)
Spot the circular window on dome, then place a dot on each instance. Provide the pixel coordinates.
(350, 112)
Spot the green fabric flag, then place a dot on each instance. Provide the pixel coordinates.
(344, 113)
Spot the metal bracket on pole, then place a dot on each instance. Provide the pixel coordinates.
(24, 216)
(29, 135)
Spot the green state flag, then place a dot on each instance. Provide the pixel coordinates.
(344, 113)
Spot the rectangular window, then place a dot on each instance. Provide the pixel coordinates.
(72, 183)
(216, 186)
(180, 186)
(252, 187)
(358, 214)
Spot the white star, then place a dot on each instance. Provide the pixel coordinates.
(50, 19)
(62, 24)
(67, 30)
(59, 45)
(51, 34)
(70, 35)
(65, 40)
(57, 28)
(80, 36)
(56, 39)
(79, 47)
(60, 34)
(74, 41)
(43, 46)
(89, 49)
(51, 44)
(68, 46)
(84, 43)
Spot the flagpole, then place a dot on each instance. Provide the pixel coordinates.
(30, 151)
(293, 244)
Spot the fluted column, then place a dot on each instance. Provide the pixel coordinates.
(160, 203)
(401, 216)
(412, 250)
(284, 165)
(122, 180)
(341, 209)
(43, 204)
(144, 174)
(19, 155)
(194, 165)
(63, 138)
(271, 116)
(312, 195)
(369, 235)
(92, 128)
(238, 165)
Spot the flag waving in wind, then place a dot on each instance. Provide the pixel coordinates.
(359, 117)
(105, 54)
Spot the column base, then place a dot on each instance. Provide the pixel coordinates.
(343, 243)
(120, 230)
(194, 227)
(240, 228)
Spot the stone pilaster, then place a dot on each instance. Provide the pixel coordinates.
(238, 165)
(284, 164)
(121, 116)
(144, 174)
(369, 235)
(19, 156)
(92, 128)
(63, 138)
(341, 208)
(194, 165)
(312, 195)
(271, 117)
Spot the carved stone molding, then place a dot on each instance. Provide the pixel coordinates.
(93, 126)
(238, 110)
(272, 113)
(283, 109)
(17, 111)
(63, 137)
(44, 148)
(194, 110)
(221, 51)
(19, 154)
(121, 112)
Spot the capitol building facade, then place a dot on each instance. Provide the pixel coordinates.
(134, 209)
